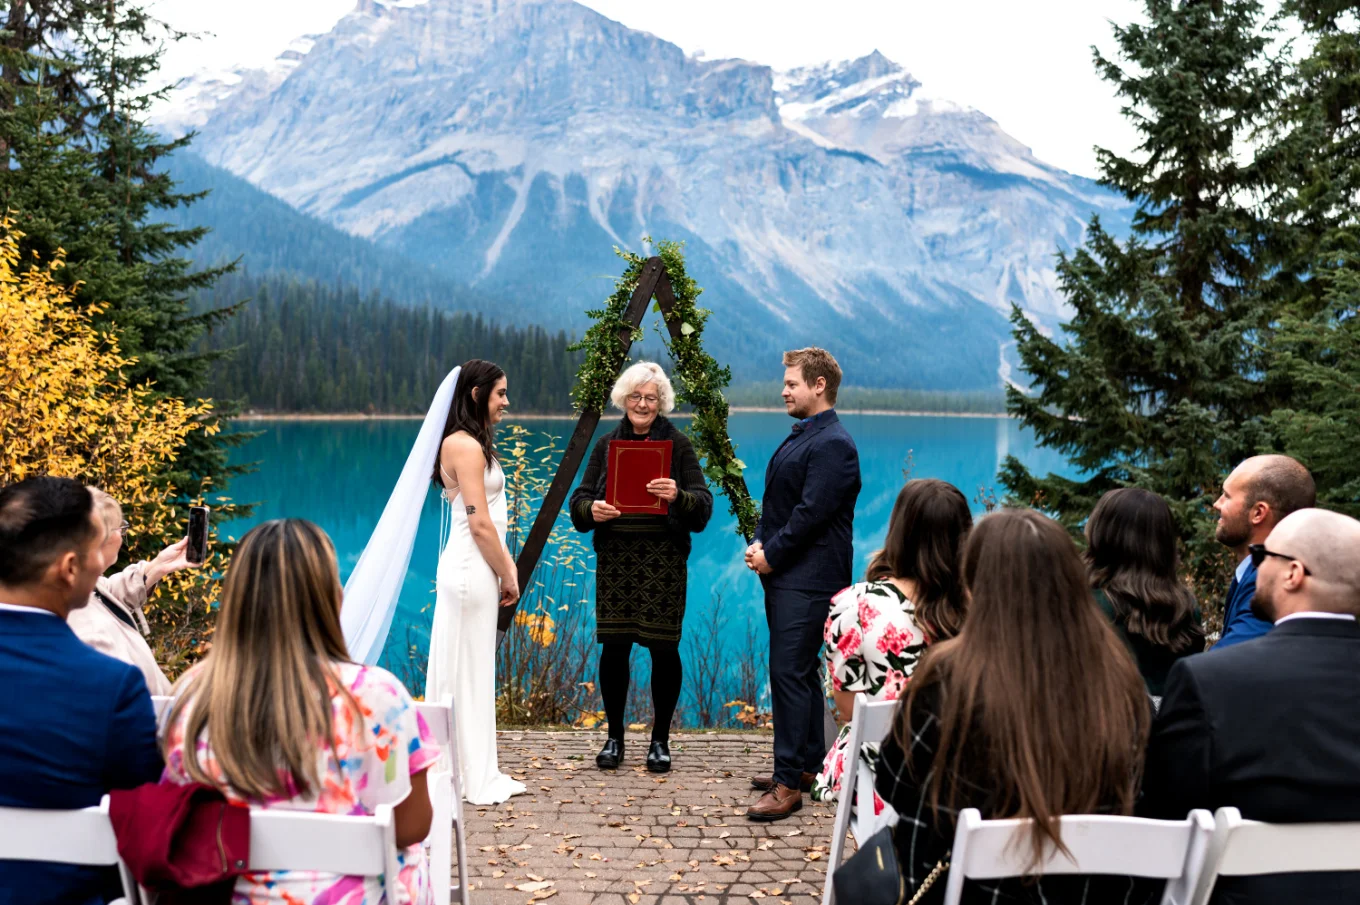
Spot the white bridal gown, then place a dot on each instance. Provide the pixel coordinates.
(463, 644)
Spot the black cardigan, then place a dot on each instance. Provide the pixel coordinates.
(693, 504)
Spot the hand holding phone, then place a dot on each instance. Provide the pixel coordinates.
(198, 534)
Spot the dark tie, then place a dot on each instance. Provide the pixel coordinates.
(1227, 604)
(798, 427)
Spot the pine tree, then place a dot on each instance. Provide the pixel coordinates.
(85, 176)
(1313, 354)
(1155, 382)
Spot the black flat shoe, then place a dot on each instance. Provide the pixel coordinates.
(659, 757)
(611, 755)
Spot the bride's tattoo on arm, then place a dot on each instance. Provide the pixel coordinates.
(471, 510)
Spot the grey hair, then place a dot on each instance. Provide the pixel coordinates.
(110, 510)
(636, 376)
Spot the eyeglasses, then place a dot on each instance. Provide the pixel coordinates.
(124, 528)
(638, 397)
(1259, 553)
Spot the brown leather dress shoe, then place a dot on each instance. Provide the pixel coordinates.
(766, 783)
(776, 804)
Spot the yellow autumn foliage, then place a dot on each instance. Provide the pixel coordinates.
(540, 627)
(66, 409)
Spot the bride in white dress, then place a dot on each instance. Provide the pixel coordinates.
(475, 575)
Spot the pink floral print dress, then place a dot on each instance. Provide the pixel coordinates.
(872, 645)
(369, 762)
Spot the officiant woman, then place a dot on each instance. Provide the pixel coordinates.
(640, 567)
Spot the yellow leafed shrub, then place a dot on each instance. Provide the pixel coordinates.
(66, 409)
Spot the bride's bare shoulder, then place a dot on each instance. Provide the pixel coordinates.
(461, 443)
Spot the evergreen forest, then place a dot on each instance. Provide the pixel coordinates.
(301, 346)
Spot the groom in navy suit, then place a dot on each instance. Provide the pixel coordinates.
(802, 553)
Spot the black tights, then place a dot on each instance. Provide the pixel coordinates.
(666, 674)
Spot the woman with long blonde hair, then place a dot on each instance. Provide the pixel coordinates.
(277, 715)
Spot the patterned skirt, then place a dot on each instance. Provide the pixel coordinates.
(639, 588)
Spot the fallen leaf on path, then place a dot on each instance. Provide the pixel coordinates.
(534, 887)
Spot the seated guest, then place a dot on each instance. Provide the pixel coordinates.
(276, 716)
(1272, 726)
(1132, 562)
(113, 623)
(1034, 710)
(911, 597)
(75, 723)
(1258, 493)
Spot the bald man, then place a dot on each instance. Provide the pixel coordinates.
(1272, 726)
(1256, 496)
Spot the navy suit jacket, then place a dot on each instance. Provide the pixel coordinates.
(1238, 623)
(1271, 727)
(808, 511)
(74, 724)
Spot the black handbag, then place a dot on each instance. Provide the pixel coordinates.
(872, 875)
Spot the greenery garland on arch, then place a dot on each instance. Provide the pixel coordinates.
(699, 377)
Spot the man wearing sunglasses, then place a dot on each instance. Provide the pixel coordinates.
(1272, 726)
(1256, 496)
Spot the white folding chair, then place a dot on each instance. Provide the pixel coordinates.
(1173, 850)
(300, 840)
(446, 799)
(446, 796)
(81, 836)
(871, 721)
(1241, 848)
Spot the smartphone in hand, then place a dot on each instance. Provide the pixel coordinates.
(198, 534)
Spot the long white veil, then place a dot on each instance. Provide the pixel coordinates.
(375, 584)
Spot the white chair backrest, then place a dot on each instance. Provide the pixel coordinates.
(439, 717)
(160, 703)
(333, 843)
(1243, 847)
(871, 721)
(82, 836)
(1099, 844)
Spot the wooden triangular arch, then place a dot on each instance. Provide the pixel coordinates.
(653, 282)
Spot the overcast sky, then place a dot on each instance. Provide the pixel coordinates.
(1026, 64)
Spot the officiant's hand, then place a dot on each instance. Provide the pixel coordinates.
(664, 489)
(601, 511)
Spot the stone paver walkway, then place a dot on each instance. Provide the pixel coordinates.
(633, 838)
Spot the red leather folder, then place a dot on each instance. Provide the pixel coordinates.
(632, 465)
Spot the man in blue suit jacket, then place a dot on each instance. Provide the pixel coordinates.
(803, 553)
(75, 722)
(1256, 497)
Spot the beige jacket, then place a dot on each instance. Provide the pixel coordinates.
(97, 626)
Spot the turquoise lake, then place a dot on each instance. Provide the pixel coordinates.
(339, 474)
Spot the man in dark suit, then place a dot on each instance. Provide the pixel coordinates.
(75, 723)
(803, 554)
(1272, 725)
(1256, 496)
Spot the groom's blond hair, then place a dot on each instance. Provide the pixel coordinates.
(813, 363)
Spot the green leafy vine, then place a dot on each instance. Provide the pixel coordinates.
(700, 379)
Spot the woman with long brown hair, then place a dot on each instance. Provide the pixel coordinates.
(912, 596)
(277, 716)
(1134, 569)
(1034, 710)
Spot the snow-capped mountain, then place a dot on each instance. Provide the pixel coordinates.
(513, 143)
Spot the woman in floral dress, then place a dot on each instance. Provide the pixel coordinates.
(912, 596)
(276, 716)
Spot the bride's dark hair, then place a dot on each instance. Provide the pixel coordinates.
(468, 412)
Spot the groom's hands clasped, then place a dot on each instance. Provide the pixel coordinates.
(755, 559)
